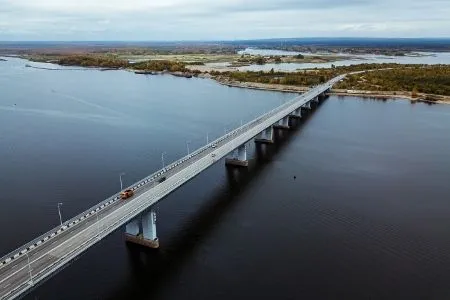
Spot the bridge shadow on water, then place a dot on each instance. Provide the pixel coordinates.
(150, 267)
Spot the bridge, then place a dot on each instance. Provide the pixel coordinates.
(33, 263)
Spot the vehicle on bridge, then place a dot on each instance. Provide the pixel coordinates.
(126, 194)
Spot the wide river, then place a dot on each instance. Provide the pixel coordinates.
(367, 216)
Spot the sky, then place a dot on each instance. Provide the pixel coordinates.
(147, 20)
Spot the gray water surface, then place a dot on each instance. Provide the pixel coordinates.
(366, 216)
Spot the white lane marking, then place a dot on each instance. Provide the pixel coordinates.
(58, 246)
(88, 228)
(45, 254)
(74, 222)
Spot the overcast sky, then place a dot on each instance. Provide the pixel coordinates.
(220, 19)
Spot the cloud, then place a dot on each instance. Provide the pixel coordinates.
(219, 19)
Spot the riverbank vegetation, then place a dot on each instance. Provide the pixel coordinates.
(115, 62)
(246, 59)
(101, 61)
(305, 77)
(427, 79)
(159, 65)
(111, 57)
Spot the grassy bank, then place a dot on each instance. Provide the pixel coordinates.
(415, 79)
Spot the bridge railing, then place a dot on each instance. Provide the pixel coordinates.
(18, 252)
(265, 116)
(53, 232)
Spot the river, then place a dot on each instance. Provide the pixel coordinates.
(365, 217)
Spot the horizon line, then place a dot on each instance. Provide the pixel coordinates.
(237, 40)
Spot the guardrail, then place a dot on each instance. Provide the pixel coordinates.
(151, 178)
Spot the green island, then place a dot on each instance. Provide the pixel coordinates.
(416, 82)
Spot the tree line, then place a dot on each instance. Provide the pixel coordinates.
(430, 79)
(433, 79)
(113, 61)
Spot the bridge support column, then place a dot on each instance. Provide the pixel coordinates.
(239, 158)
(142, 230)
(306, 107)
(265, 137)
(296, 113)
(324, 94)
(133, 227)
(149, 229)
(282, 124)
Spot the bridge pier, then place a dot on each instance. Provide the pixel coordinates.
(324, 95)
(306, 108)
(296, 113)
(133, 227)
(265, 137)
(282, 124)
(142, 230)
(239, 158)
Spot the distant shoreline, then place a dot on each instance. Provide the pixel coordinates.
(440, 99)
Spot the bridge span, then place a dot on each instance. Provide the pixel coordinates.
(33, 263)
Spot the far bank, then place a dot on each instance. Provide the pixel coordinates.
(429, 83)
